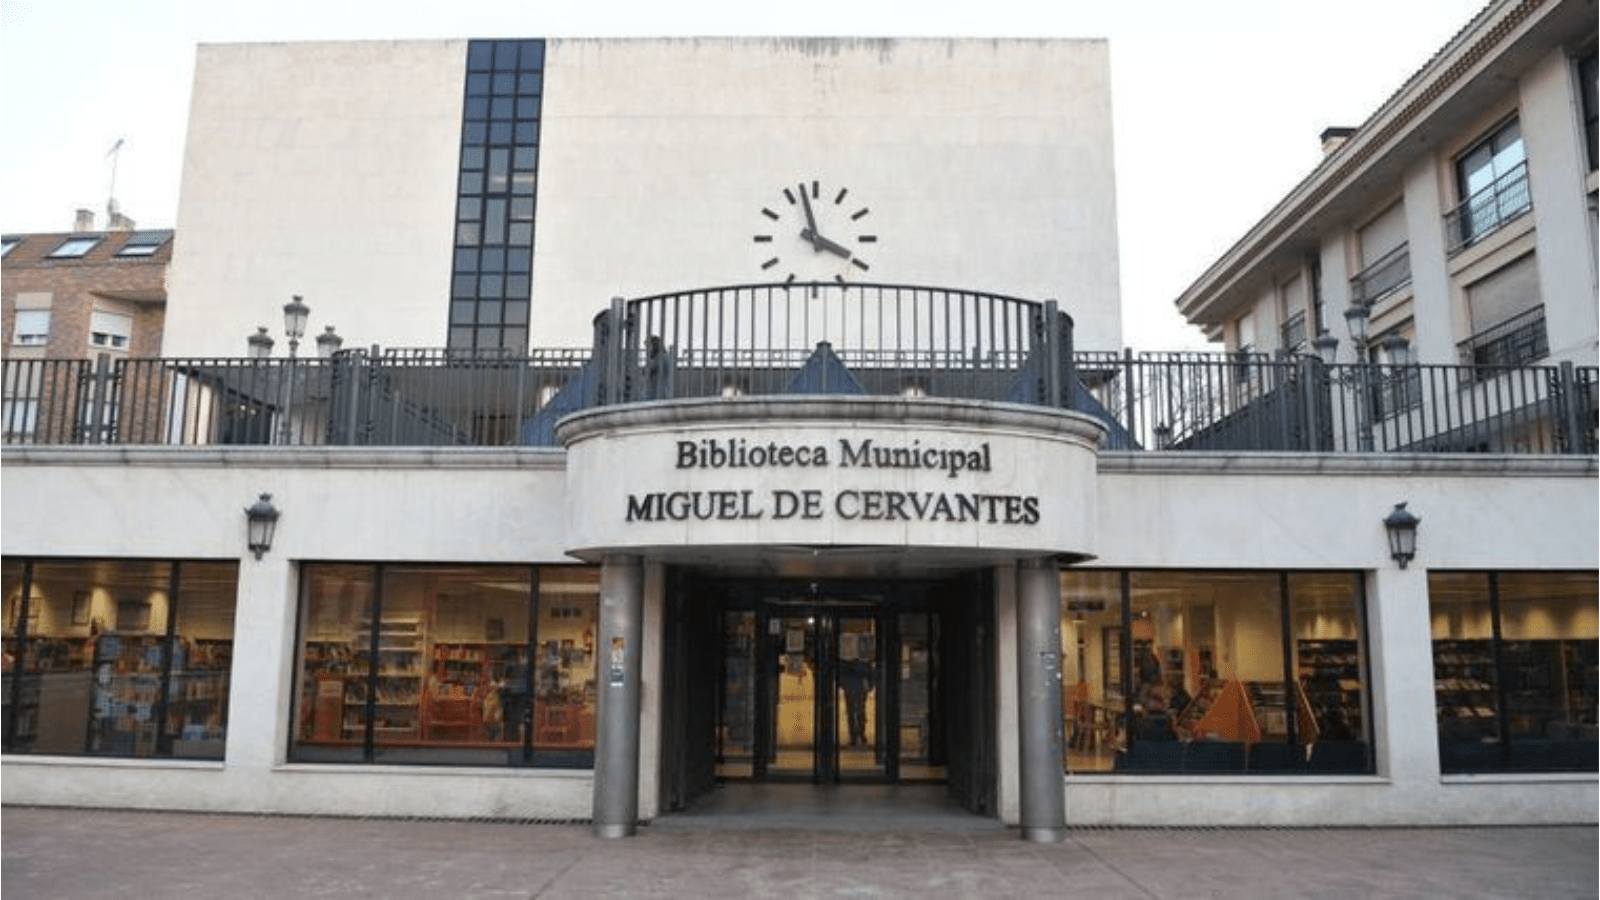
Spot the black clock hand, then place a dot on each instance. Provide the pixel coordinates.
(809, 233)
(821, 243)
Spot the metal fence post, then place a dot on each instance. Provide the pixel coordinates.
(1568, 414)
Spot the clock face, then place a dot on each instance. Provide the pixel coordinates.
(814, 233)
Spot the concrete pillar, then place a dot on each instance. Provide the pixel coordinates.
(262, 670)
(616, 751)
(1039, 700)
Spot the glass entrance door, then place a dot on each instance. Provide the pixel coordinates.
(826, 695)
(827, 691)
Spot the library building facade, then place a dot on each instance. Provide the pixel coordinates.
(626, 539)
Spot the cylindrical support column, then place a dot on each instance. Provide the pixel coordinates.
(616, 750)
(1039, 701)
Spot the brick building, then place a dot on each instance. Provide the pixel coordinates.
(85, 293)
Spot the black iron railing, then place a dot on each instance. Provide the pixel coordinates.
(764, 341)
(1517, 341)
(1489, 210)
(1387, 274)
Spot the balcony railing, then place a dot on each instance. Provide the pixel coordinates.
(1488, 210)
(1517, 341)
(765, 341)
(1387, 274)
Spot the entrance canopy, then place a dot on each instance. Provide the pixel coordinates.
(831, 486)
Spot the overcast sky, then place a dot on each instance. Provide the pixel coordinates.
(1218, 104)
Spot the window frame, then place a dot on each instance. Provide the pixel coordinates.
(36, 335)
(143, 244)
(1466, 673)
(1108, 611)
(75, 247)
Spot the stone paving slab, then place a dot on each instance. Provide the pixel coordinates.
(92, 854)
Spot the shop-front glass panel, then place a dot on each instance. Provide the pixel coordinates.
(118, 657)
(1207, 670)
(335, 649)
(1213, 672)
(1092, 669)
(197, 700)
(564, 686)
(12, 681)
(447, 664)
(1514, 658)
(1331, 734)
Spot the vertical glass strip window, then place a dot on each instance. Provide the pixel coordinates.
(495, 195)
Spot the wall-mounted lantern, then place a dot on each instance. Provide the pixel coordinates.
(1402, 528)
(262, 518)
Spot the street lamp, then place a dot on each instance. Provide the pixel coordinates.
(259, 346)
(1397, 352)
(295, 314)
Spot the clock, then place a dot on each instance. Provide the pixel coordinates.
(814, 234)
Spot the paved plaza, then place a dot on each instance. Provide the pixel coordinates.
(762, 851)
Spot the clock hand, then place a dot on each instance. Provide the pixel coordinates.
(809, 233)
(821, 243)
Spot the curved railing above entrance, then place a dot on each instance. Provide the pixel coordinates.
(834, 338)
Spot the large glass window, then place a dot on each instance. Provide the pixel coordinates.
(118, 658)
(490, 284)
(1514, 658)
(1214, 672)
(470, 665)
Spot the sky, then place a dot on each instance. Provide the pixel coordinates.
(1217, 105)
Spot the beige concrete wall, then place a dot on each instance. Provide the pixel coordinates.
(321, 169)
(1155, 510)
(329, 170)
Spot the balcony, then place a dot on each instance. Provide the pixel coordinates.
(1517, 341)
(1489, 210)
(1389, 273)
(768, 340)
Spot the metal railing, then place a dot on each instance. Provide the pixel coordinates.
(1389, 273)
(763, 341)
(1489, 210)
(1519, 340)
(1213, 403)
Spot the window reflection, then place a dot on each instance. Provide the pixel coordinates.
(118, 657)
(1197, 672)
(480, 665)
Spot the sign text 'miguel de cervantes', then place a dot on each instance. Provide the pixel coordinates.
(846, 455)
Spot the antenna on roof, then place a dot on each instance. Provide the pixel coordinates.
(115, 219)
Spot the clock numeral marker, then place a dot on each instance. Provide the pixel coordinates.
(816, 190)
(840, 199)
(789, 195)
(859, 213)
(763, 238)
(770, 263)
(868, 239)
(859, 264)
(769, 214)
(790, 279)
(839, 279)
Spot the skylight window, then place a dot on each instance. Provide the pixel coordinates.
(72, 248)
(144, 243)
(7, 243)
